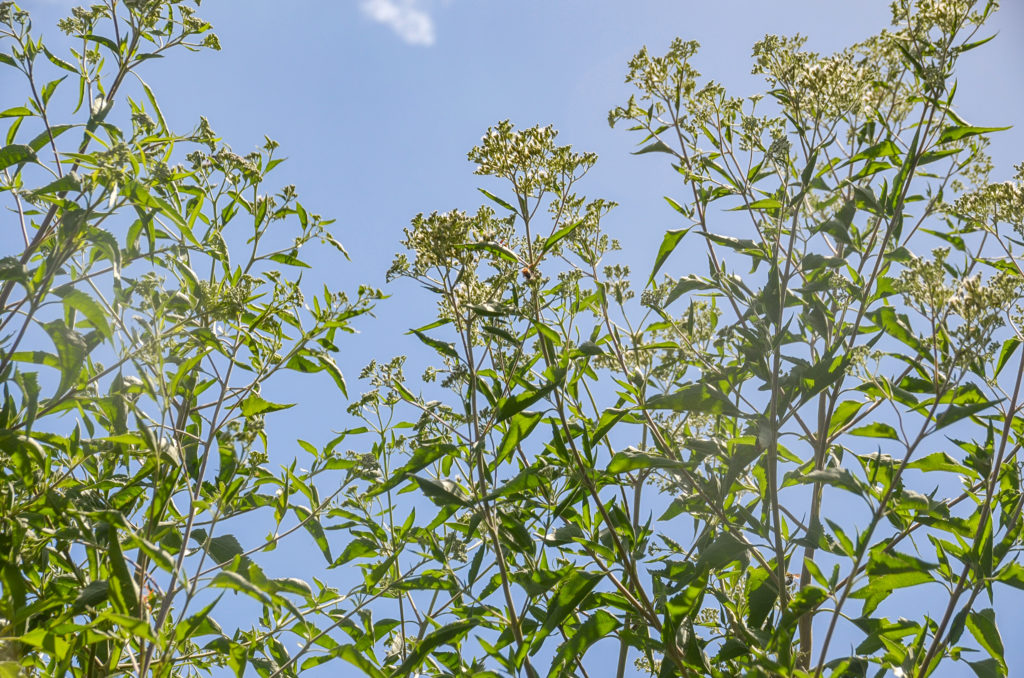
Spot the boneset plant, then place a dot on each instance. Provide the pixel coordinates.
(802, 461)
(141, 317)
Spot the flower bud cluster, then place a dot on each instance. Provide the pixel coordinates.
(995, 203)
(81, 20)
(528, 158)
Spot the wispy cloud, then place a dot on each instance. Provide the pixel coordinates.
(407, 18)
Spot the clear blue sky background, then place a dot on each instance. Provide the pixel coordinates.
(376, 103)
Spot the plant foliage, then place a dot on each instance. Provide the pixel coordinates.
(801, 460)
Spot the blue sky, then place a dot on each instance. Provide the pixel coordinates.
(376, 102)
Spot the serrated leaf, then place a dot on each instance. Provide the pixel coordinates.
(700, 398)
(441, 492)
(254, 405)
(982, 625)
(87, 306)
(16, 154)
(72, 349)
(568, 597)
(668, 245)
(91, 595)
(596, 627)
(725, 549)
(844, 414)
(289, 259)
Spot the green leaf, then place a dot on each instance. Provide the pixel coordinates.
(876, 430)
(312, 525)
(441, 347)
(16, 154)
(123, 588)
(497, 250)
(500, 333)
(568, 597)
(596, 627)
(890, 570)
(1012, 575)
(939, 461)
(43, 138)
(839, 225)
(987, 668)
(491, 310)
(448, 634)
(331, 367)
(71, 352)
(958, 132)
(60, 63)
(762, 204)
(564, 535)
(16, 112)
(68, 182)
(520, 426)
(87, 306)
(844, 414)
(609, 418)
(421, 458)
(254, 405)
(982, 625)
(199, 624)
(725, 549)
(668, 245)
(688, 284)
(105, 41)
(762, 592)
(91, 595)
(441, 492)
(896, 326)
(1010, 346)
(806, 600)
(658, 146)
(224, 548)
(289, 259)
(358, 548)
(700, 398)
(836, 477)
(528, 479)
(497, 200)
(519, 402)
(225, 579)
(624, 462)
(885, 149)
(558, 235)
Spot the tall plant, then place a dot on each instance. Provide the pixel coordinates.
(142, 312)
(787, 453)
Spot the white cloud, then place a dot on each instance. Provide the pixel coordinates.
(407, 18)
